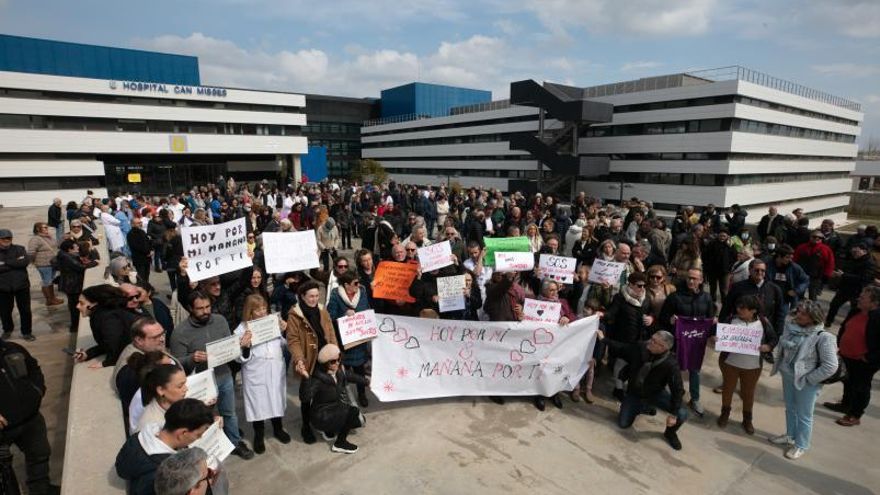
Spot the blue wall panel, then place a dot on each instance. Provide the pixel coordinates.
(432, 100)
(314, 164)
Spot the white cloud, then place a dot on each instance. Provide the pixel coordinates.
(640, 65)
(847, 69)
(856, 18)
(382, 13)
(506, 26)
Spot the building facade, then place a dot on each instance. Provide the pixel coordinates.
(335, 124)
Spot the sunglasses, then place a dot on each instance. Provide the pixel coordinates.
(410, 250)
(342, 266)
(640, 286)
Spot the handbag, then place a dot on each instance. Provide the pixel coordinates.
(839, 374)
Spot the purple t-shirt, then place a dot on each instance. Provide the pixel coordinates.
(691, 335)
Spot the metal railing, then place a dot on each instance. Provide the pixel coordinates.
(480, 107)
(397, 119)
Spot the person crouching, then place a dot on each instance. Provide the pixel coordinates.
(331, 408)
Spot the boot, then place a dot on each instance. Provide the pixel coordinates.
(747, 423)
(259, 440)
(671, 436)
(49, 294)
(576, 394)
(725, 416)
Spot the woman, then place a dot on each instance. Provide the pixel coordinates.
(628, 317)
(253, 281)
(442, 209)
(806, 355)
(110, 320)
(687, 257)
(263, 377)
(309, 328)
(550, 292)
(332, 411)
(536, 242)
(584, 249)
(548, 227)
(328, 242)
(345, 300)
(740, 270)
(606, 250)
(73, 266)
(744, 368)
(162, 386)
(129, 380)
(42, 250)
(657, 290)
(366, 272)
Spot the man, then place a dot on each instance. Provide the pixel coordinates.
(184, 473)
(22, 388)
(113, 231)
(736, 219)
(832, 240)
(858, 271)
(622, 255)
(141, 455)
(147, 336)
(15, 286)
(474, 263)
(817, 260)
(689, 301)
(55, 219)
(789, 276)
(770, 295)
(769, 223)
(188, 345)
(653, 381)
(141, 249)
(718, 259)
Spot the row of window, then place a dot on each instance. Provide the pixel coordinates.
(477, 138)
(15, 121)
(458, 125)
(331, 128)
(681, 179)
(715, 125)
(16, 184)
(744, 125)
(468, 172)
(722, 156)
(340, 147)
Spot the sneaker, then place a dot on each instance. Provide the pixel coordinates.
(672, 440)
(243, 451)
(781, 440)
(618, 394)
(795, 453)
(29, 337)
(308, 435)
(697, 407)
(835, 406)
(328, 438)
(344, 447)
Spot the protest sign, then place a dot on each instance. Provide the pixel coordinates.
(216, 444)
(514, 262)
(435, 256)
(264, 329)
(392, 280)
(290, 251)
(358, 328)
(223, 351)
(739, 339)
(202, 386)
(691, 335)
(450, 293)
(419, 358)
(546, 311)
(215, 249)
(506, 245)
(558, 268)
(606, 272)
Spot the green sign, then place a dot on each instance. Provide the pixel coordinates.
(504, 245)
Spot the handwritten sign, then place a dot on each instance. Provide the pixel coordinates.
(506, 245)
(435, 256)
(264, 329)
(215, 443)
(393, 279)
(739, 339)
(606, 272)
(358, 328)
(215, 249)
(419, 358)
(514, 262)
(450, 293)
(558, 268)
(290, 251)
(546, 311)
(223, 351)
(202, 386)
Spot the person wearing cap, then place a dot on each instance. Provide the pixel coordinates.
(857, 272)
(331, 411)
(15, 286)
(817, 259)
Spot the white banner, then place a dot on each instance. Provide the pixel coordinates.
(357, 328)
(202, 386)
(739, 339)
(420, 358)
(264, 329)
(290, 251)
(215, 249)
(606, 272)
(450, 293)
(435, 256)
(545, 311)
(557, 268)
(514, 262)
(223, 351)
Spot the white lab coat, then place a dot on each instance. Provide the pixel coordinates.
(115, 239)
(263, 379)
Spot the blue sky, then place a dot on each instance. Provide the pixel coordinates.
(356, 48)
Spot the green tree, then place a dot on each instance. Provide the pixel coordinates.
(370, 170)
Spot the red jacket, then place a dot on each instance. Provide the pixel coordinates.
(822, 251)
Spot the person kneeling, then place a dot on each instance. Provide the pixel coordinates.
(331, 409)
(651, 370)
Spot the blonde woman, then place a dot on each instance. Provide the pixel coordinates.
(536, 242)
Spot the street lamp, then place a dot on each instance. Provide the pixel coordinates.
(621, 186)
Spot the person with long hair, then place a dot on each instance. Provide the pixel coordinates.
(585, 247)
(110, 320)
(72, 266)
(42, 250)
(161, 386)
(536, 241)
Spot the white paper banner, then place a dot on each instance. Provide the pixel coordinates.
(358, 328)
(739, 339)
(420, 358)
(557, 268)
(606, 272)
(544, 311)
(435, 256)
(290, 251)
(514, 262)
(223, 351)
(450, 293)
(264, 329)
(202, 386)
(215, 249)
(216, 444)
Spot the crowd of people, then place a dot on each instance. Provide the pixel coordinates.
(703, 263)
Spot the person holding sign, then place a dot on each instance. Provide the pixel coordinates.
(347, 299)
(550, 292)
(263, 371)
(162, 386)
(744, 368)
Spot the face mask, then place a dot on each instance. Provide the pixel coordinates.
(744, 237)
(771, 247)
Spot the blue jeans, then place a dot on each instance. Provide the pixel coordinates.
(799, 406)
(634, 405)
(47, 275)
(59, 233)
(226, 407)
(694, 385)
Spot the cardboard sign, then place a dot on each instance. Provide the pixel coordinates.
(216, 444)
(545, 311)
(264, 329)
(215, 249)
(223, 351)
(506, 245)
(393, 279)
(557, 268)
(514, 262)
(202, 386)
(606, 272)
(739, 339)
(435, 256)
(358, 328)
(290, 251)
(450, 293)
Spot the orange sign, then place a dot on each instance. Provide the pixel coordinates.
(393, 279)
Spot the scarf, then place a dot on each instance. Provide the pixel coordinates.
(646, 368)
(630, 298)
(313, 317)
(351, 303)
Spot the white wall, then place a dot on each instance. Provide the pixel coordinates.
(50, 168)
(44, 198)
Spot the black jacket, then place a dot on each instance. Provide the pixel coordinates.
(718, 258)
(625, 320)
(329, 398)
(73, 272)
(111, 328)
(683, 302)
(21, 384)
(13, 269)
(766, 227)
(137, 467)
(140, 245)
(872, 334)
(769, 294)
(665, 374)
(54, 217)
(857, 273)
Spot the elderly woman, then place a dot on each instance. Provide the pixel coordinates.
(345, 300)
(806, 355)
(328, 242)
(41, 250)
(550, 292)
(740, 270)
(332, 411)
(72, 264)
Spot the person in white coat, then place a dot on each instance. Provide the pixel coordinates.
(263, 377)
(113, 231)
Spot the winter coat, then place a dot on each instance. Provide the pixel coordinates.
(22, 385)
(13, 269)
(624, 318)
(73, 273)
(791, 277)
(815, 357)
(140, 245)
(872, 335)
(337, 307)
(769, 295)
(41, 250)
(329, 398)
(136, 465)
(663, 376)
(816, 259)
(685, 303)
(111, 328)
(301, 338)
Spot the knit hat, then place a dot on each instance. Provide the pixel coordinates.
(328, 352)
(329, 224)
